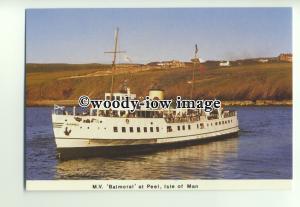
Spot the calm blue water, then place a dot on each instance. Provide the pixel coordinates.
(263, 150)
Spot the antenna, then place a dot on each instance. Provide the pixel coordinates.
(193, 79)
(114, 61)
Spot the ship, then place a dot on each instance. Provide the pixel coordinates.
(91, 132)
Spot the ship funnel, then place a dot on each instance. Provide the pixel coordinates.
(156, 94)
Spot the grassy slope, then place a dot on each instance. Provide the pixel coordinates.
(271, 81)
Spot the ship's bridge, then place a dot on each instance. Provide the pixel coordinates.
(120, 95)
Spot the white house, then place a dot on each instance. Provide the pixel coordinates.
(263, 60)
(224, 64)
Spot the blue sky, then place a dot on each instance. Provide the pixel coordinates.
(83, 35)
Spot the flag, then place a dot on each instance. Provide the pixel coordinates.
(196, 49)
(57, 107)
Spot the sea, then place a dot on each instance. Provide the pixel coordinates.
(263, 150)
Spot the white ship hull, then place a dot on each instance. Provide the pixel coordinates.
(94, 135)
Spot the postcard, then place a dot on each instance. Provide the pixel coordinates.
(158, 98)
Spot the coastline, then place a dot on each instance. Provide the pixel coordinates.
(45, 103)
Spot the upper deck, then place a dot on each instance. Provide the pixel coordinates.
(170, 115)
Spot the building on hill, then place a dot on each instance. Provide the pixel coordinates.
(285, 57)
(173, 64)
(168, 64)
(224, 63)
(263, 60)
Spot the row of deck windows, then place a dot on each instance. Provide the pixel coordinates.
(138, 129)
(183, 127)
(169, 128)
(201, 125)
(223, 122)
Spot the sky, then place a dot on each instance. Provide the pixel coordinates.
(83, 35)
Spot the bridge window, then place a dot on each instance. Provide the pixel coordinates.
(183, 127)
(216, 123)
(157, 129)
(145, 129)
(131, 129)
(169, 128)
(178, 128)
(115, 129)
(138, 129)
(189, 126)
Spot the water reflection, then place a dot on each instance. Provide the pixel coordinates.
(207, 160)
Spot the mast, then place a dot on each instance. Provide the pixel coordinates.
(193, 78)
(114, 61)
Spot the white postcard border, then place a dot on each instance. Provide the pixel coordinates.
(156, 185)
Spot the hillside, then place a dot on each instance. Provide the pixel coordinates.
(270, 81)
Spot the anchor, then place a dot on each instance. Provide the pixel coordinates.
(67, 132)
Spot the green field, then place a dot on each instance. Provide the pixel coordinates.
(271, 81)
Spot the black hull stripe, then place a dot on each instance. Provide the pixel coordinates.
(111, 151)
